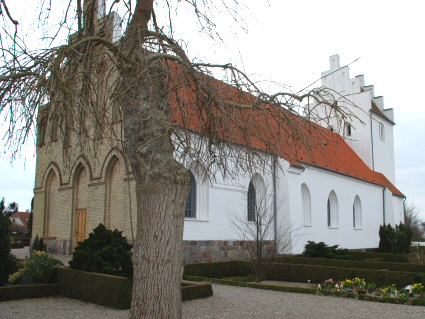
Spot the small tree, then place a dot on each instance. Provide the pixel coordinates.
(414, 221)
(257, 232)
(7, 260)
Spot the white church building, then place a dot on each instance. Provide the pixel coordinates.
(340, 195)
(338, 192)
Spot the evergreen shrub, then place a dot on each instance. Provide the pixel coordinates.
(322, 250)
(38, 244)
(7, 260)
(105, 251)
(395, 240)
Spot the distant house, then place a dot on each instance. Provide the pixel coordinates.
(20, 218)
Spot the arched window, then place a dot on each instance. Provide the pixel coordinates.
(52, 218)
(306, 199)
(251, 202)
(191, 198)
(347, 129)
(332, 210)
(357, 213)
(381, 132)
(256, 198)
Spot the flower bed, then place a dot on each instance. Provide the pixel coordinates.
(372, 292)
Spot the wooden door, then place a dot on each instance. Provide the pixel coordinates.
(81, 225)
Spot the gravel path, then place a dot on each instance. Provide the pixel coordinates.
(227, 303)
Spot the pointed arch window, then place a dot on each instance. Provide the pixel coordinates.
(347, 129)
(191, 198)
(251, 202)
(381, 132)
(197, 202)
(306, 200)
(332, 210)
(256, 198)
(357, 213)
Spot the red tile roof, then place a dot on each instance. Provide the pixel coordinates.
(270, 128)
(376, 110)
(23, 216)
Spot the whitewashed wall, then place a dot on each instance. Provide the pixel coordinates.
(364, 140)
(321, 183)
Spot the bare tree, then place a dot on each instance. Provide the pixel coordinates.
(170, 108)
(414, 221)
(263, 235)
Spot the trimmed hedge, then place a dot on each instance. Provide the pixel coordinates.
(96, 288)
(220, 269)
(28, 291)
(101, 289)
(315, 273)
(302, 273)
(254, 285)
(365, 264)
(194, 290)
(387, 257)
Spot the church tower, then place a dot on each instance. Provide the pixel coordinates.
(370, 134)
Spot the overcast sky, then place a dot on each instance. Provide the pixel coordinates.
(290, 42)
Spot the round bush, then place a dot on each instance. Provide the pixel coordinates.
(105, 251)
(40, 268)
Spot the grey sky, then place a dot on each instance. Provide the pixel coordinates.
(290, 42)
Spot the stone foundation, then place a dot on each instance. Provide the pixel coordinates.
(57, 246)
(194, 251)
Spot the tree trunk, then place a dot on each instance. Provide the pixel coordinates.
(162, 185)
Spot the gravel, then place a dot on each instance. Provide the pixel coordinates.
(227, 302)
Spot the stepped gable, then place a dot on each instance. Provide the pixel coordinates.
(267, 128)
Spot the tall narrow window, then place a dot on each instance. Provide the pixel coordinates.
(357, 213)
(332, 210)
(381, 132)
(306, 199)
(251, 201)
(54, 128)
(329, 213)
(191, 199)
(347, 129)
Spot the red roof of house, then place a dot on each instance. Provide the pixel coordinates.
(270, 128)
(23, 216)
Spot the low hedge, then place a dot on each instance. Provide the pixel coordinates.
(238, 283)
(96, 288)
(392, 258)
(28, 291)
(303, 273)
(220, 269)
(194, 290)
(101, 289)
(365, 264)
(317, 274)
